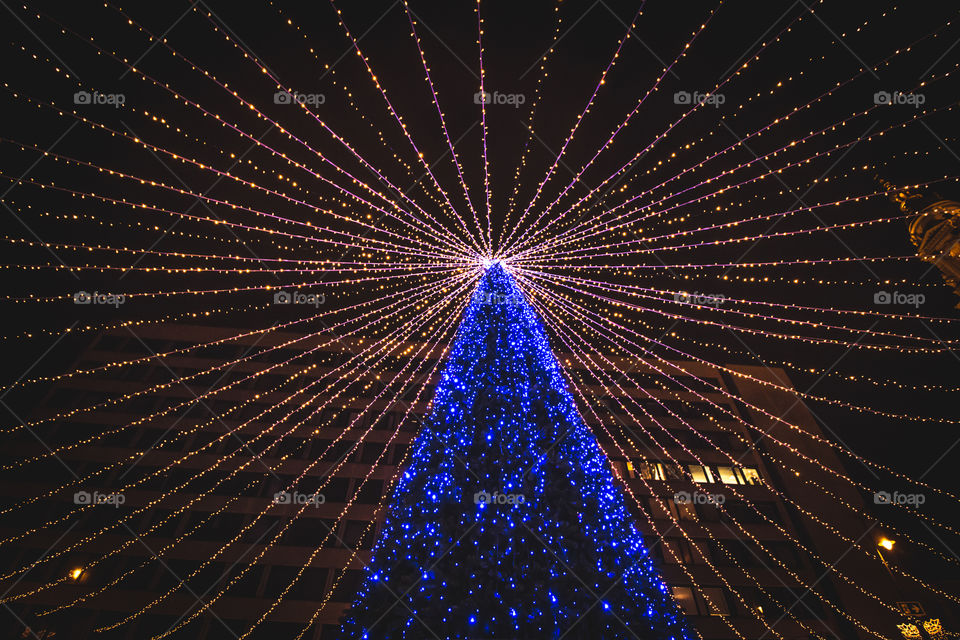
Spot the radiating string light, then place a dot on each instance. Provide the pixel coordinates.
(595, 266)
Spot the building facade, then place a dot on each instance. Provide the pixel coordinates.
(205, 466)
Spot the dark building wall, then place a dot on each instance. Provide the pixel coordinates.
(133, 452)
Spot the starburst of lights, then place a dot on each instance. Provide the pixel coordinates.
(656, 244)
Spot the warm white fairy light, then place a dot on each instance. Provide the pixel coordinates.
(595, 264)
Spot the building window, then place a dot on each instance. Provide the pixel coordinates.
(715, 602)
(750, 475)
(728, 475)
(683, 510)
(673, 472)
(708, 601)
(684, 597)
(619, 469)
(708, 512)
(700, 474)
(677, 551)
(660, 508)
(651, 471)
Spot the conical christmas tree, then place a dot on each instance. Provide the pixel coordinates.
(508, 522)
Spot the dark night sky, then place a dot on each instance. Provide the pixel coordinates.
(810, 59)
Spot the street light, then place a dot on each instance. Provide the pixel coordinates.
(885, 543)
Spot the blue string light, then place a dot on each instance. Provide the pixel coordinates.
(508, 522)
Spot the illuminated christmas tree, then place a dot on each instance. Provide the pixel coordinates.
(508, 522)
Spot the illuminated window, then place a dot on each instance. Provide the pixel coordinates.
(651, 471)
(727, 475)
(750, 475)
(700, 474)
(684, 597)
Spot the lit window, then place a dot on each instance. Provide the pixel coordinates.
(727, 475)
(751, 475)
(684, 597)
(651, 471)
(700, 474)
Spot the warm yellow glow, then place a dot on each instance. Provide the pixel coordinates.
(886, 543)
(76, 573)
(909, 631)
(933, 626)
